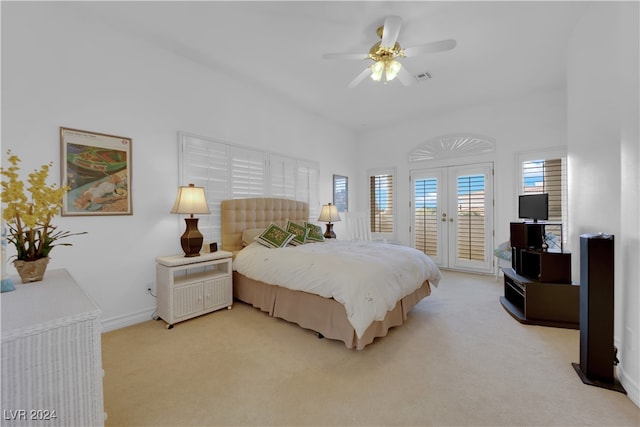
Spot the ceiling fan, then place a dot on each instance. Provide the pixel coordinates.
(385, 53)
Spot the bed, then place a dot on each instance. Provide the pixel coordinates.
(292, 299)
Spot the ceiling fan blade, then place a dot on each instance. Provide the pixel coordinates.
(345, 56)
(390, 31)
(432, 47)
(363, 75)
(405, 77)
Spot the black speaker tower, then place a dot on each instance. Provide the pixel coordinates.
(597, 351)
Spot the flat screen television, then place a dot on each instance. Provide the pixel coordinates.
(534, 206)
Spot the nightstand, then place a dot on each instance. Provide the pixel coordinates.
(192, 286)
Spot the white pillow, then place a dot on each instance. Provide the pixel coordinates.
(249, 235)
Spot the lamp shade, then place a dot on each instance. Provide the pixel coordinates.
(329, 213)
(190, 200)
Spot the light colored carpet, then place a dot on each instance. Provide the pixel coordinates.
(459, 360)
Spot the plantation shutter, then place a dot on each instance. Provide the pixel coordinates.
(548, 176)
(247, 173)
(426, 216)
(229, 171)
(283, 177)
(471, 217)
(381, 202)
(307, 186)
(208, 168)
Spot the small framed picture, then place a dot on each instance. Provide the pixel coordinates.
(341, 192)
(97, 169)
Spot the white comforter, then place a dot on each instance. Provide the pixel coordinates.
(368, 278)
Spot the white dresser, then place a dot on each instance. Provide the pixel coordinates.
(51, 355)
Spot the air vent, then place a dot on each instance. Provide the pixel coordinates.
(423, 76)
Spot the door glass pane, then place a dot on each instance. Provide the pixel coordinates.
(426, 216)
(471, 217)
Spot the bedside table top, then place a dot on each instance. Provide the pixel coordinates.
(175, 260)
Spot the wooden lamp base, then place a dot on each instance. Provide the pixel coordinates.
(191, 240)
(329, 234)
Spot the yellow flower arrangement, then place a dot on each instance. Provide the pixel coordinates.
(29, 218)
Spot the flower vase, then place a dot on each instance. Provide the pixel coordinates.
(31, 271)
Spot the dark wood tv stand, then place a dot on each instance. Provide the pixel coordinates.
(538, 303)
(538, 289)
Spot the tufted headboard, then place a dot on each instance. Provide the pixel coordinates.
(241, 214)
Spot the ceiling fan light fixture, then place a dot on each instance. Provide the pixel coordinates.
(377, 68)
(385, 53)
(392, 69)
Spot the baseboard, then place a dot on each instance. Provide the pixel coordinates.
(630, 386)
(123, 321)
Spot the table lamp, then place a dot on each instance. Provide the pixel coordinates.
(191, 200)
(329, 214)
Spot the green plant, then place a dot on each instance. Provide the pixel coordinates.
(29, 217)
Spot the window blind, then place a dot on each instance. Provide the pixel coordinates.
(208, 167)
(471, 217)
(229, 171)
(283, 177)
(247, 173)
(548, 176)
(307, 186)
(381, 202)
(426, 216)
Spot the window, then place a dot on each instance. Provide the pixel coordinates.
(228, 171)
(283, 177)
(546, 172)
(307, 186)
(340, 192)
(247, 173)
(381, 203)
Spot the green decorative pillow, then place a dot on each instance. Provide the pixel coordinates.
(274, 237)
(299, 233)
(315, 232)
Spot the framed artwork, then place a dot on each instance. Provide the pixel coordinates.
(97, 169)
(341, 192)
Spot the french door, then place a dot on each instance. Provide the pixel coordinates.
(452, 210)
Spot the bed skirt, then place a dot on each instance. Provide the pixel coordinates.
(325, 316)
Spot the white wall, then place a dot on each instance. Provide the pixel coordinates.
(629, 39)
(603, 135)
(63, 70)
(520, 125)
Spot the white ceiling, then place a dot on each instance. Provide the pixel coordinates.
(504, 49)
